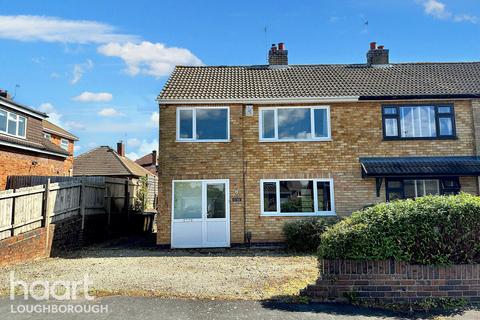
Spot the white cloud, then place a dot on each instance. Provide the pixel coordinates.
(436, 9)
(133, 142)
(53, 115)
(154, 120)
(154, 59)
(143, 147)
(79, 70)
(77, 148)
(73, 125)
(110, 112)
(132, 156)
(439, 10)
(52, 29)
(88, 96)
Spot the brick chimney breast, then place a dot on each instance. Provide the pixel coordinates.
(377, 55)
(278, 55)
(121, 148)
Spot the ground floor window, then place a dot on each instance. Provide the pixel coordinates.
(414, 188)
(297, 197)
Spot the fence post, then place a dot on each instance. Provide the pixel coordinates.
(12, 220)
(108, 205)
(46, 213)
(82, 202)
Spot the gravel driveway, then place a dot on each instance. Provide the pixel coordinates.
(229, 274)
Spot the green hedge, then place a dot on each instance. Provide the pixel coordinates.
(428, 230)
(304, 235)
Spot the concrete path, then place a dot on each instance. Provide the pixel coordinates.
(155, 308)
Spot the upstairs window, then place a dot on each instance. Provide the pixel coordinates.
(64, 144)
(47, 136)
(12, 124)
(418, 122)
(294, 123)
(301, 197)
(203, 124)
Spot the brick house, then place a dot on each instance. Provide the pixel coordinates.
(245, 148)
(63, 139)
(23, 148)
(149, 162)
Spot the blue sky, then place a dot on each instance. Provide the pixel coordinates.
(97, 66)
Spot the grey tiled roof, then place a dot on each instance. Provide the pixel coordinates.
(316, 81)
(421, 166)
(104, 161)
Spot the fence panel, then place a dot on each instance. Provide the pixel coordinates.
(28, 209)
(64, 200)
(6, 207)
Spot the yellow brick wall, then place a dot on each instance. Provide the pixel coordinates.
(356, 132)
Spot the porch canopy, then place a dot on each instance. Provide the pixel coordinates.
(398, 167)
(420, 166)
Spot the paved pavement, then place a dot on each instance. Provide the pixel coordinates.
(166, 309)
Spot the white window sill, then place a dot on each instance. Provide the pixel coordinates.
(307, 214)
(296, 140)
(193, 141)
(13, 135)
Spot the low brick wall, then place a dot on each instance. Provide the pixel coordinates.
(27, 246)
(392, 282)
(66, 235)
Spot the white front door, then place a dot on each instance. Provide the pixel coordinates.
(200, 213)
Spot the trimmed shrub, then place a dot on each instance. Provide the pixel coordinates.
(428, 230)
(304, 235)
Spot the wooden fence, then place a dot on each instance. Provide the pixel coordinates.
(28, 208)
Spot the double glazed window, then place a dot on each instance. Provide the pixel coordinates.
(420, 122)
(203, 124)
(64, 144)
(12, 124)
(294, 123)
(297, 197)
(47, 136)
(414, 188)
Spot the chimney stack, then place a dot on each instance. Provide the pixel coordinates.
(121, 148)
(154, 157)
(5, 94)
(278, 55)
(377, 55)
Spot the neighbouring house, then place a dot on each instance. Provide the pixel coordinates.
(243, 149)
(149, 162)
(23, 148)
(63, 139)
(105, 161)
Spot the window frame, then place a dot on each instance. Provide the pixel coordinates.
(312, 124)
(440, 182)
(18, 116)
(47, 136)
(278, 213)
(194, 124)
(438, 115)
(67, 146)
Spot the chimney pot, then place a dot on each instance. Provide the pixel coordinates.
(377, 56)
(5, 94)
(278, 56)
(121, 148)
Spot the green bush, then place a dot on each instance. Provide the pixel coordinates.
(428, 230)
(304, 235)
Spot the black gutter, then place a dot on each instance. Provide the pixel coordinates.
(420, 97)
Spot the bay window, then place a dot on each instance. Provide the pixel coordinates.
(418, 122)
(294, 123)
(292, 197)
(203, 124)
(12, 124)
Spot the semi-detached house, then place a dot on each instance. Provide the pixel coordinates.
(243, 149)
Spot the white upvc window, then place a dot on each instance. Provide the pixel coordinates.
(297, 197)
(13, 124)
(203, 124)
(294, 123)
(47, 136)
(64, 144)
